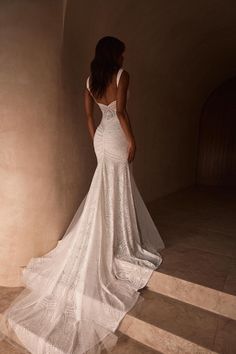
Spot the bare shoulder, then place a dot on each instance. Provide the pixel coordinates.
(125, 77)
(125, 74)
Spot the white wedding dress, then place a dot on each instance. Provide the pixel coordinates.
(76, 295)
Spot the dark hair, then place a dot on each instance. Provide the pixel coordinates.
(105, 63)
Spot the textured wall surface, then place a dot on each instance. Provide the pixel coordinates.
(32, 212)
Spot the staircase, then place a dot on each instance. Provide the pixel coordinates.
(189, 304)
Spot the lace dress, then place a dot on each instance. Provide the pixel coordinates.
(76, 295)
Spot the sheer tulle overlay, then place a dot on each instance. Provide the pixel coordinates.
(76, 295)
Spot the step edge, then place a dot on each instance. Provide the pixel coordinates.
(222, 303)
(153, 332)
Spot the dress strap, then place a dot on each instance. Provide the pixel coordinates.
(118, 76)
(88, 87)
(87, 83)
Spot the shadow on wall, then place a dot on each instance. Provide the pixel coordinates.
(176, 53)
(217, 143)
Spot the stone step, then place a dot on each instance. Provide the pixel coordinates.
(171, 326)
(15, 346)
(198, 295)
(6, 348)
(167, 325)
(127, 345)
(197, 277)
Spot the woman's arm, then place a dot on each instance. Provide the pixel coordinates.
(122, 114)
(89, 106)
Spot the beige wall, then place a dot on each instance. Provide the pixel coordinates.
(177, 52)
(33, 204)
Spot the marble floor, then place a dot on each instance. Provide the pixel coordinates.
(198, 226)
(190, 301)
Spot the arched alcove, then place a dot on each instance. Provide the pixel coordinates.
(217, 137)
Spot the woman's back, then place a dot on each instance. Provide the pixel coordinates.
(110, 94)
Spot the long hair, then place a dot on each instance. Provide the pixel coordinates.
(104, 64)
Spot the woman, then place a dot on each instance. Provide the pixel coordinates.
(106, 70)
(77, 294)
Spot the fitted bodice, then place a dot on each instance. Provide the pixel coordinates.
(108, 111)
